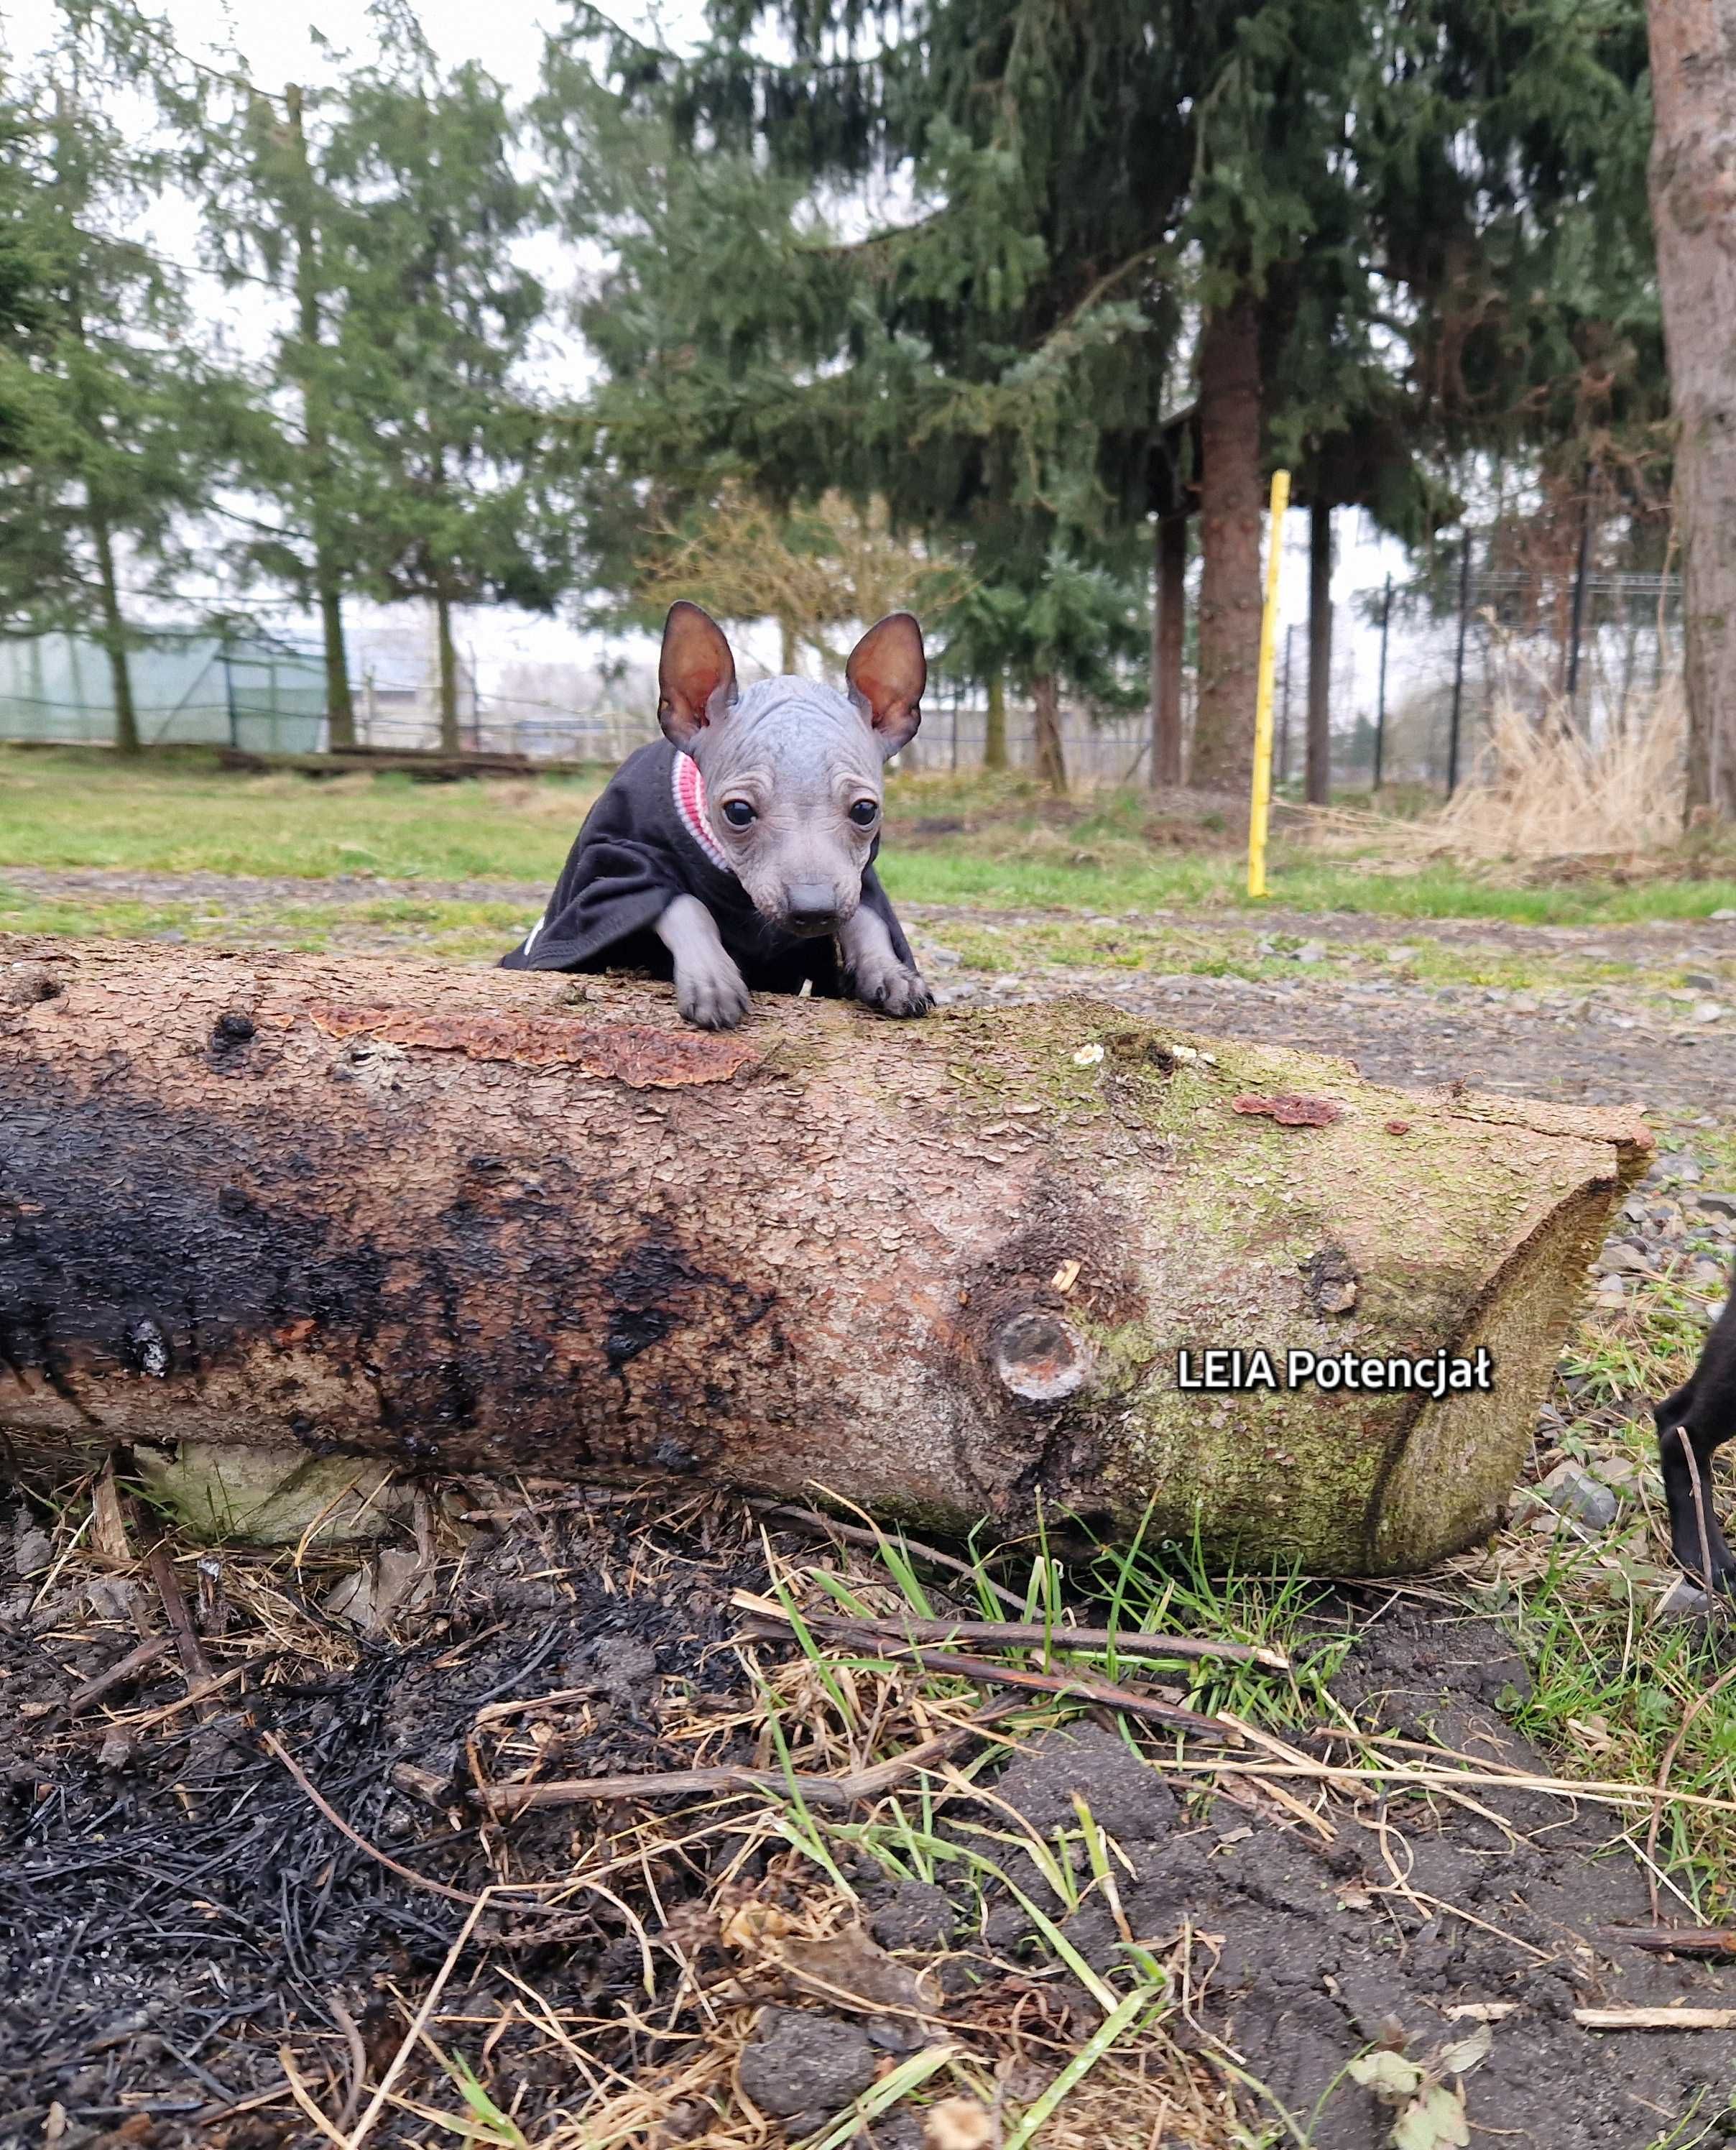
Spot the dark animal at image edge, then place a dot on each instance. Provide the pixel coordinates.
(736, 855)
(1692, 1425)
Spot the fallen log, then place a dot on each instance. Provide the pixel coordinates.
(482, 1221)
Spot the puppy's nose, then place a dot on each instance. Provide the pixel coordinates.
(813, 907)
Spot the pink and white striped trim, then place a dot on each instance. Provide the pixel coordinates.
(689, 789)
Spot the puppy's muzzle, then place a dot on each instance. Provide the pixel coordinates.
(811, 909)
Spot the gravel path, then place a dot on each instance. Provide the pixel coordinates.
(1644, 1041)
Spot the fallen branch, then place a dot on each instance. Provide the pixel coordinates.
(1674, 1941)
(1088, 1687)
(124, 1669)
(1021, 1634)
(833, 1794)
(193, 1660)
(811, 1519)
(1656, 2018)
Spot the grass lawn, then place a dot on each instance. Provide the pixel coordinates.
(994, 843)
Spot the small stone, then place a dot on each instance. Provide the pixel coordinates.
(34, 1550)
(1400, 952)
(1573, 1491)
(1704, 979)
(1710, 1010)
(1720, 1204)
(1686, 1602)
(1620, 1256)
(1722, 915)
(1311, 952)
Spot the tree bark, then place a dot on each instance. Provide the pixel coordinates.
(510, 1222)
(114, 631)
(328, 581)
(1050, 756)
(1229, 527)
(994, 734)
(1168, 627)
(450, 741)
(1317, 789)
(1693, 197)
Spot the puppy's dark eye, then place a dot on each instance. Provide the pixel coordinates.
(739, 814)
(864, 813)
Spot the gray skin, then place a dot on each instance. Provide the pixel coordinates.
(801, 756)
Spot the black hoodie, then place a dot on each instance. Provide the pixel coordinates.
(645, 842)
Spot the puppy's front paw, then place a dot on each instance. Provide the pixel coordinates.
(713, 998)
(894, 990)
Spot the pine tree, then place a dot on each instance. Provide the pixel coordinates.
(444, 452)
(269, 218)
(120, 431)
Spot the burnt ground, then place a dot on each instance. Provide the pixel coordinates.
(177, 1913)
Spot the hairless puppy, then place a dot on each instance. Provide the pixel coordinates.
(737, 854)
(1692, 1425)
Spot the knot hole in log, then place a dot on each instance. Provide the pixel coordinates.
(1038, 1357)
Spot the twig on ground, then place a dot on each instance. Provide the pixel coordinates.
(358, 2058)
(1089, 1687)
(1669, 1762)
(1021, 1634)
(193, 1660)
(136, 1660)
(311, 1791)
(1674, 1941)
(1656, 2018)
(855, 1534)
(834, 1793)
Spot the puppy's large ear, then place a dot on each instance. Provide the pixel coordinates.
(887, 672)
(695, 673)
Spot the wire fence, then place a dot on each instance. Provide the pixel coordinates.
(188, 690)
(1419, 668)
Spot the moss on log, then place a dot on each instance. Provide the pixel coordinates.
(488, 1221)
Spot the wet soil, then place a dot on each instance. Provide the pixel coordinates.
(175, 1910)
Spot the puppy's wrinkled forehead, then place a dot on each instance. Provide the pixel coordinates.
(804, 731)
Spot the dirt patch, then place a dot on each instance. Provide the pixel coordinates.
(1384, 1926)
(178, 1910)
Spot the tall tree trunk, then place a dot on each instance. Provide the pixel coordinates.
(1318, 789)
(1230, 531)
(787, 652)
(114, 631)
(328, 581)
(446, 1217)
(96, 510)
(994, 731)
(1050, 757)
(1168, 623)
(1693, 185)
(450, 741)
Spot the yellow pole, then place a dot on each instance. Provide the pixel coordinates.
(1260, 809)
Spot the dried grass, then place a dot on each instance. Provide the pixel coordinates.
(1540, 789)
